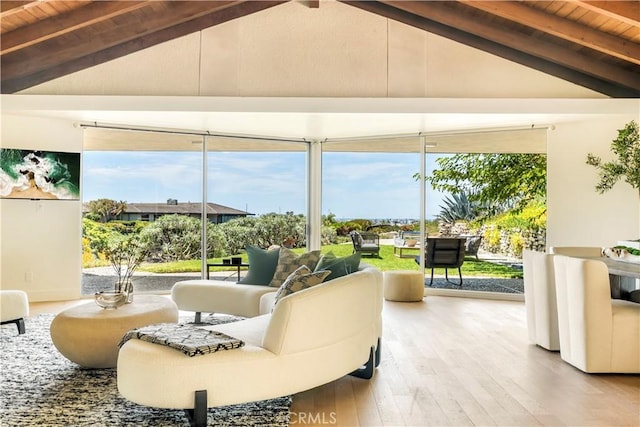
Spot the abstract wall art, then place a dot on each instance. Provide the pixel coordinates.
(37, 174)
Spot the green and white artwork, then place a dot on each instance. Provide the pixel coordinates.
(34, 174)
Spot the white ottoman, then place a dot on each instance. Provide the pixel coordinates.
(403, 285)
(89, 335)
(14, 307)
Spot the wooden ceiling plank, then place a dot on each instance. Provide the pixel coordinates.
(628, 11)
(562, 28)
(58, 25)
(49, 53)
(20, 81)
(444, 13)
(8, 8)
(605, 86)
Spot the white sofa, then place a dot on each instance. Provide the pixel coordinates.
(311, 337)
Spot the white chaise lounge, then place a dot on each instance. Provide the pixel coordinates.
(311, 337)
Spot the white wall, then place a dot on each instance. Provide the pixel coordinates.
(41, 239)
(577, 214)
(332, 51)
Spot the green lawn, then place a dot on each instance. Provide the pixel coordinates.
(387, 261)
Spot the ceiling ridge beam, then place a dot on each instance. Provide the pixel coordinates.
(605, 86)
(57, 25)
(444, 13)
(561, 27)
(21, 80)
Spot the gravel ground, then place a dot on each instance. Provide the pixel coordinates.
(510, 286)
(102, 279)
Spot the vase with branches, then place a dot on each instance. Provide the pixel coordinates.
(627, 165)
(125, 253)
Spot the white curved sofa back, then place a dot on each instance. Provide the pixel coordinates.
(339, 310)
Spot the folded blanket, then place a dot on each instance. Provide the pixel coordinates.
(188, 338)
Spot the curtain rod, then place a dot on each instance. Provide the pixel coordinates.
(187, 132)
(442, 133)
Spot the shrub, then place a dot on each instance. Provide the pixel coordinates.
(173, 238)
(516, 242)
(217, 244)
(492, 239)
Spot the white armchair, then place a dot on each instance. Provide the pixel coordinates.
(597, 333)
(540, 299)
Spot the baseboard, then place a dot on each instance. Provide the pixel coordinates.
(473, 294)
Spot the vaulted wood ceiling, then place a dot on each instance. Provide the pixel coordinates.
(595, 44)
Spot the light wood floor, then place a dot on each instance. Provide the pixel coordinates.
(463, 362)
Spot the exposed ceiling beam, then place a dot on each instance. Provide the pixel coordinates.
(627, 11)
(53, 27)
(19, 70)
(49, 53)
(455, 29)
(449, 13)
(562, 28)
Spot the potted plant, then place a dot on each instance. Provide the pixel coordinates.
(627, 164)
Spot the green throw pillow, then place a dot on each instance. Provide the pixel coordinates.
(301, 278)
(339, 266)
(262, 266)
(289, 261)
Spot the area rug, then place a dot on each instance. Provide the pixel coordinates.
(40, 387)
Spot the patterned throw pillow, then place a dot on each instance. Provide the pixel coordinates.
(300, 279)
(339, 266)
(288, 262)
(262, 265)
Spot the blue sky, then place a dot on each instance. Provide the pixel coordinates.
(355, 185)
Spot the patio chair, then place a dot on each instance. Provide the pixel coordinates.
(472, 245)
(444, 252)
(366, 243)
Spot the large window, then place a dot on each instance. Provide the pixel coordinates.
(125, 192)
(149, 189)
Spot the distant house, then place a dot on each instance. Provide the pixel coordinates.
(216, 213)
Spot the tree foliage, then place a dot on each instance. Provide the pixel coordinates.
(627, 165)
(106, 209)
(497, 181)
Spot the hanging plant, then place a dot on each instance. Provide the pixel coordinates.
(627, 165)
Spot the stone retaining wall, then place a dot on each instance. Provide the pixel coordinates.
(509, 242)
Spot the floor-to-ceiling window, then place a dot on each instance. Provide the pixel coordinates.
(147, 188)
(257, 191)
(133, 192)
